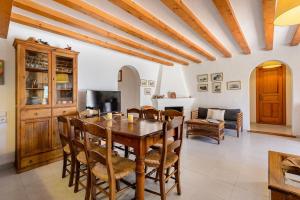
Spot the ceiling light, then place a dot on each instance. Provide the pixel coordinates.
(287, 12)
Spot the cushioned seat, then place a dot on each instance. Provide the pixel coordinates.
(122, 167)
(153, 157)
(67, 149)
(230, 124)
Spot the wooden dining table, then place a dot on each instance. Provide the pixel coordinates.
(139, 134)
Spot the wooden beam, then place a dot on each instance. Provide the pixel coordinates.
(226, 11)
(5, 11)
(187, 15)
(296, 39)
(144, 15)
(269, 16)
(21, 19)
(31, 6)
(83, 7)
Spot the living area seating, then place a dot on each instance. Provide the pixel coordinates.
(233, 118)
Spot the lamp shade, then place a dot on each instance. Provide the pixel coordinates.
(287, 12)
(62, 78)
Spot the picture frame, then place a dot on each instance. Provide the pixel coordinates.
(147, 91)
(216, 87)
(2, 72)
(120, 74)
(151, 83)
(144, 83)
(217, 76)
(202, 87)
(202, 78)
(234, 85)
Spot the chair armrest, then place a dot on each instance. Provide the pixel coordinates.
(194, 114)
(239, 119)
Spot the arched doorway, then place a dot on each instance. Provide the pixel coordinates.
(271, 98)
(129, 85)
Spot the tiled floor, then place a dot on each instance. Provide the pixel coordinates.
(234, 170)
(269, 128)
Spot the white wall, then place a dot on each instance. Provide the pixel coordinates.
(288, 96)
(98, 69)
(240, 68)
(130, 89)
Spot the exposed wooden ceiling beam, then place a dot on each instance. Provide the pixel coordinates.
(21, 19)
(226, 11)
(187, 15)
(144, 15)
(33, 7)
(269, 16)
(296, 38)
(5, 11)
(83, 7)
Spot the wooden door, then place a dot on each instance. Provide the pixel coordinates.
(35, 136)
(271, 95)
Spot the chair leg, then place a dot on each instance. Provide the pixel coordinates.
(88, 186)
(167, 173)
(93, 188)
(64, 170)
(162, 184)
(126, 151)
(177, 177)
(72, 172)
(238, 132)
(77, 175)
(118, 185)
(156, 176)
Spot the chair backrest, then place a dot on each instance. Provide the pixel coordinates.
(95, 157)
(168, 115)
(175, 129)
(79, 135)
(134, 111)
(151, 114)
(146, 107)
(64, 130)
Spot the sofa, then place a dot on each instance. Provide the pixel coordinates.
(233, 118)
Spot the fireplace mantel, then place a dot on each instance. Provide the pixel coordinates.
(186, 103)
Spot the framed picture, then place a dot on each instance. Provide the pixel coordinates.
(147, 91)
(217, 76)
(202, 87)
(202, 78)
(234, 85)
(120, 76)
(143, 83)
(1, 72)
(151, 83)
(216, 87)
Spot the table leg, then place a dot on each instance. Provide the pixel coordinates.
(140, 175)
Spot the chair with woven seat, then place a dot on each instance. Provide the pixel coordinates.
(151, 114)
(168, 157)
(135, 111)
(106, 167)
(81, 164)
(168, 115)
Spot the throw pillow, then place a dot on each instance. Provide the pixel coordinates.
(216, 114)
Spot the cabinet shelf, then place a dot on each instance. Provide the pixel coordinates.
(35, 89)
(30, 69)
(67, 89)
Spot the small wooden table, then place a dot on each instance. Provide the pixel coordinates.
(279, 189)
(140, 135)
(204, 128)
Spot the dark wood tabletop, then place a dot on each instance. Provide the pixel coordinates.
(120, 125)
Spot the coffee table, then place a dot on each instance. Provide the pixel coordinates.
(202, 127)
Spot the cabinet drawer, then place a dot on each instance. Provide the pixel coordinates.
(64, 111)
(33, 114)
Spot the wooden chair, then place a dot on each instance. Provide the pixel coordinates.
(151, 114)
(168, 115)
(106, 167)
(81, 164)
(136, 111)
(167, 157)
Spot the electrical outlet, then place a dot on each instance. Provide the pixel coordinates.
(3, 117)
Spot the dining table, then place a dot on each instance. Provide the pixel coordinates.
(139, 135)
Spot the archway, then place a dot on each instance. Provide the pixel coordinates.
(129, 85)
(271, 98)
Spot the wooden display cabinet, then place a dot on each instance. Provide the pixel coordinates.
(46, 87)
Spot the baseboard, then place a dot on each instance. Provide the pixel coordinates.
(7, 166)
(272, 133)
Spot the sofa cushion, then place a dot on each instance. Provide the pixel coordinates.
(215, 114)
(230, 124)
(231, 114)
(202, 113)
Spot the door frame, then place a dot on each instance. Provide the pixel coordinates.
(283, 96)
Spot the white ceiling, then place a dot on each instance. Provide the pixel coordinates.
(248, 13)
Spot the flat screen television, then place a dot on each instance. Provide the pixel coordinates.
(106, 101)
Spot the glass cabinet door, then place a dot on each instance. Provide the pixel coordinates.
(64, 80)
(37, 77)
